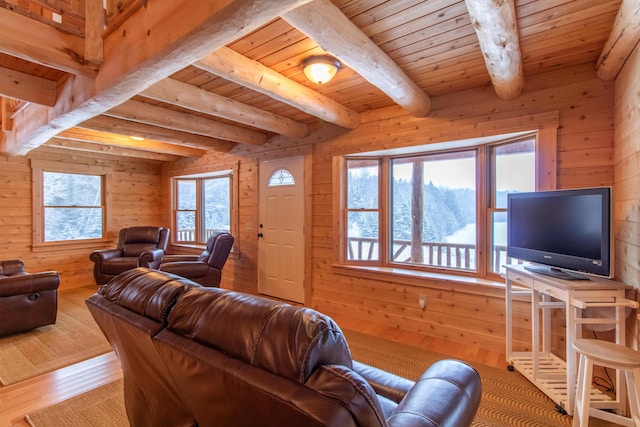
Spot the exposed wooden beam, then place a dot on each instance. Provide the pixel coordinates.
(155, 42)
(149, 145)
(113, 149)
(239, 69)
(6, 114)
(142, 112)
(323, 22)
(623, 38)
(41, 43)
(497, 29)
(128, 129)
(94, 23)
(193, 98)
(26, 87)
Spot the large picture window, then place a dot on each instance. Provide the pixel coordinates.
(203, 205)
(433, 213)
(435, 210)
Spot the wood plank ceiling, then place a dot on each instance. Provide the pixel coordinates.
(191, 77)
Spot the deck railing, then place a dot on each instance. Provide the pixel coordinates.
(188, 235)
(439, 254)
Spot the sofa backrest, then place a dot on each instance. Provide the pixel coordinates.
(146, 292)
(288, 341)
(263, 362)
(11, 267)
(217, 251)
(133, 241)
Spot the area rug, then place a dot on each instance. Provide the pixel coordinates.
(508, 399)
(100, 407)
(74, 337)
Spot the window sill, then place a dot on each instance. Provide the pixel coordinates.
(73, 244)
(414, 277)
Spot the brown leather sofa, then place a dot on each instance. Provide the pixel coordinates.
(142, 246)
(199, 356)
(206, 268)
(27, 301)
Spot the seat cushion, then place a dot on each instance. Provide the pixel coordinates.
(135, 249)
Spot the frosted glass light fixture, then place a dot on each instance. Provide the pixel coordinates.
(320, 68)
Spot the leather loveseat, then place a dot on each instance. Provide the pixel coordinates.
(27, 300)
(199, 356)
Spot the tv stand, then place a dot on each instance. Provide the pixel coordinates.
(553, 375)
(556, 272)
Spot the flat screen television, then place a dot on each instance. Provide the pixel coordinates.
(564, 232)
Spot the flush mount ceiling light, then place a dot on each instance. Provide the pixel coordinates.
(320, 68)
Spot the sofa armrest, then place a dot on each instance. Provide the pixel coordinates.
(102, 254)
(180, 258)
(384, 383)
(11, 267)
(151, 258)
(29, 283)
(447, 394)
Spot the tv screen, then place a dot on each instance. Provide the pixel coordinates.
(562, 230)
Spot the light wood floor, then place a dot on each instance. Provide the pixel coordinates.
(19, 399)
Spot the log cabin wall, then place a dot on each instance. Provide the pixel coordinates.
(137, 197)
(468, 313)
(627, 179)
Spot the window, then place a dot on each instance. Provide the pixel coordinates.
(433, 213)
(281, 177)
(202, 205)
(68, 206)
(363, 215)
(434, 209)
(513, 167)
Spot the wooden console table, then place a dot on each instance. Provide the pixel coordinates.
(552, 375)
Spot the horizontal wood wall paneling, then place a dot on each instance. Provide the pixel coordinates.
(579, 140)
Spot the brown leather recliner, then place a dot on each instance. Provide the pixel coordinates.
(27, 301)
(206, 268)
(137, 247)
(199, 356)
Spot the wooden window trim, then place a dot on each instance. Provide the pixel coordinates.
(546, 136)
(233, 171)
(38, 167)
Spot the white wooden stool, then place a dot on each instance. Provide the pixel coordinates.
(611, 355)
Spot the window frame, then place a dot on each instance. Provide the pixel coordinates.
(545, 178)
(382, 166)
(232, 173)
(38, 168)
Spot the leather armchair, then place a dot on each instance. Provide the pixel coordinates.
(27, 301)
(137, 247)
(206, 268)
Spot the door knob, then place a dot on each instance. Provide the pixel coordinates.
(260, 235)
